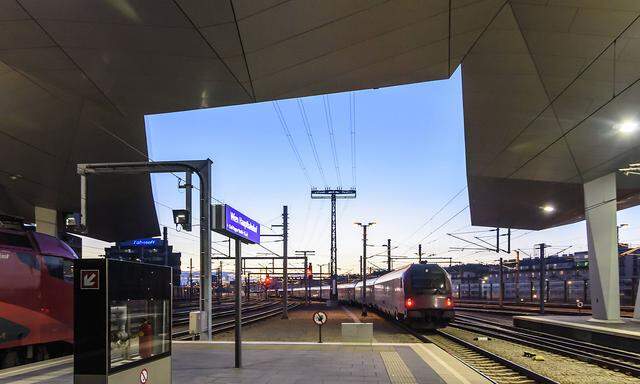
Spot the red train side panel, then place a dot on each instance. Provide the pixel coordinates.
(36, 295)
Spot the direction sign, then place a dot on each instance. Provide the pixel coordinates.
(319, 318)
(89, 279)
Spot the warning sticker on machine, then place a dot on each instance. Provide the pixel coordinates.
(89, 279)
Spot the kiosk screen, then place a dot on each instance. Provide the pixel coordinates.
(138, 329)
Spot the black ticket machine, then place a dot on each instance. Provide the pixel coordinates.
(122, 322)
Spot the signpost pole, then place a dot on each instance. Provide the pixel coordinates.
(238, 304)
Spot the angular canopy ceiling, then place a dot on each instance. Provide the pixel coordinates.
(539, 80)
(546, 89)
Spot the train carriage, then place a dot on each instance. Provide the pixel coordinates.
(418, 294)
(36, 302)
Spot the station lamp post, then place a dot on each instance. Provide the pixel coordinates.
(364, 265)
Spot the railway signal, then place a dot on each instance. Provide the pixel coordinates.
(309, 271)
(267, 281)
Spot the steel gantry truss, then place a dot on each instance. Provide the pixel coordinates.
(333, 194)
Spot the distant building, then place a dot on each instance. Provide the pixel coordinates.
(151, 251)
(567, 276)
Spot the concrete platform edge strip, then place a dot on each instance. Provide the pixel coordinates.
(27, 368)
(445, 370)
(297, 343)
(592, 327)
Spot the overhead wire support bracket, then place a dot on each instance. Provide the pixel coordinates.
(333, 194)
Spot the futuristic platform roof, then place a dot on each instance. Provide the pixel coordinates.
(551, 101)
(77, 77)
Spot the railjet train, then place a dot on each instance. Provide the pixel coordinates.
(36, 295)
(418, 294)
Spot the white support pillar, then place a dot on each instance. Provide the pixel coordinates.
(600, 213)
(46, 221)
(636, 308)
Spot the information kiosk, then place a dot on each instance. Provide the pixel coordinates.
(122, 322)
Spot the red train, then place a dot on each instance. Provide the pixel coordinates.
(36, 295)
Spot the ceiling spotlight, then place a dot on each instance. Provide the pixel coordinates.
(627, 126)
(548, 208)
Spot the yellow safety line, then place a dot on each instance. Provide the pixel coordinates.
(426, 355)
(398, 371)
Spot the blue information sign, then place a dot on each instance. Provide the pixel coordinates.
(233, 223)
(150, 242)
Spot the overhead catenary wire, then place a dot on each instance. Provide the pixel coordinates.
(446, 204)
(332, 139)
(312, 143)
(292, 144)
(443, 224)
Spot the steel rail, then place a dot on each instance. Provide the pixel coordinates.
(229, 324)
(590, 353)
(507, 364)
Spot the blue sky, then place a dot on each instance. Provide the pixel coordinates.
(409, 162)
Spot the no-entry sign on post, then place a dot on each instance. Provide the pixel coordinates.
(319, 318)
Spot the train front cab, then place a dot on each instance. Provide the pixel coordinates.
(428, 298)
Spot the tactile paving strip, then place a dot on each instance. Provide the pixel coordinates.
(398, 371)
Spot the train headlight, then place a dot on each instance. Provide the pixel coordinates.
(448, 302)
(409, 303)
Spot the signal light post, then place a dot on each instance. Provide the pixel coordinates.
(285, 259)
(388, 245)
(307, 272)
(364, 265)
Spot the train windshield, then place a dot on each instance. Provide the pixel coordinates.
(428, 278)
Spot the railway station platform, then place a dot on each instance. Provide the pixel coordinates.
(287, 363)
(286, 351)
(625, 335)
(301, 328)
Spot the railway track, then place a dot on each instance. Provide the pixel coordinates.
(220, 313)
(602, 356)
(225, 325)
(492, 366)
(184, 309)
(495, 368)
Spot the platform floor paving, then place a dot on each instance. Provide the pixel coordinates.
(300, 326)
(288, 363)
(286, 351)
